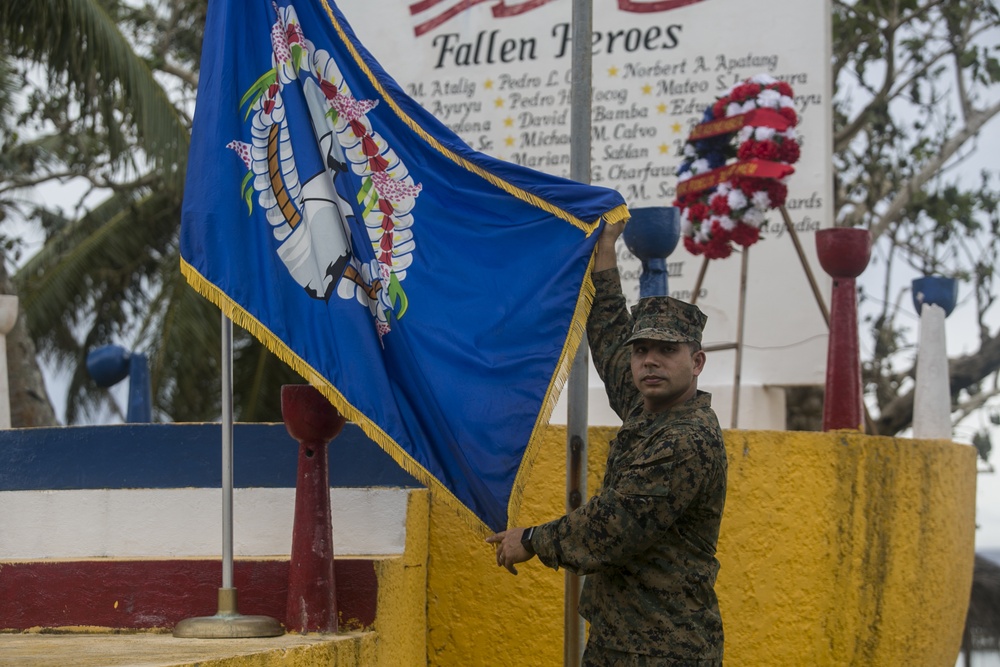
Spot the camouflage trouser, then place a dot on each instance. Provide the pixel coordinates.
(599, 656)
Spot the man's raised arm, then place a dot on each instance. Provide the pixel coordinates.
(606, 257)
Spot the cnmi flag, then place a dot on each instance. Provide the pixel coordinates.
(435, 295)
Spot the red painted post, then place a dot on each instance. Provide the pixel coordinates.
(843, 253)
(312, 598)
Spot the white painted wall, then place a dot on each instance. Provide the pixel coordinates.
(179, 523)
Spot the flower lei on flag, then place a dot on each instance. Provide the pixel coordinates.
(722, 202)
(387, 194)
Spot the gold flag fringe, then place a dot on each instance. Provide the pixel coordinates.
(577, 330)
(248, 322)
(617, 214)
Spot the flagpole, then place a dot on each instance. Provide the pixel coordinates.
(227, 453)
(227, 623)
(576, 419)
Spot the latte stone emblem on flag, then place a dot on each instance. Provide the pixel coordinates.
(312, 142)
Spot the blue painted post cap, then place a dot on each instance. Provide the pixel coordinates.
(653, 231)
(937, 290)
(108, 364)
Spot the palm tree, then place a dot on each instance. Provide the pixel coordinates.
(112, 274)
(30, 404)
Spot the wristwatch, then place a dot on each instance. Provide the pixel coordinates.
(526, 540)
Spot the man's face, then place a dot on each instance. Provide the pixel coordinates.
(664, 373)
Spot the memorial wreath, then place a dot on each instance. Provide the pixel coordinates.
(736, 165)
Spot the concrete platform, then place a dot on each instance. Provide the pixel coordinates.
(32, 649)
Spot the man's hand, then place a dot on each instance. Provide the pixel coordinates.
(509, 548)
(607, 257)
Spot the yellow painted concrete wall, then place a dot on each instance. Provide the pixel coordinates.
(401, 617)
(478, 613)
(836, 549)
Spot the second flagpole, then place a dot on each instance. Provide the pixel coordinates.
(227, 621)
(576, 418)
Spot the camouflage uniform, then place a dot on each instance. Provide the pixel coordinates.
(647, 540)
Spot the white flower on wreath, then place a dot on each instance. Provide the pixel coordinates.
(761, 200)
(724, 221)
(700, 166)
(735, 198)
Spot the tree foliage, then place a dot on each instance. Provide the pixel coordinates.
(917, 85)
(111, 87)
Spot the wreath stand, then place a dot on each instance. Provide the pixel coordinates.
(738, 345)
(753, 104)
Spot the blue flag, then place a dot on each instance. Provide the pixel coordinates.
(435, 295)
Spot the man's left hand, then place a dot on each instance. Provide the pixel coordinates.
(510, 551)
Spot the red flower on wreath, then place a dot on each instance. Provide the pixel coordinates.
(719, 206)
(745, 235)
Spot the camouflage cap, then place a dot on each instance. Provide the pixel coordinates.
(668, 319)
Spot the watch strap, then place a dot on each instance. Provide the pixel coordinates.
(526, 540)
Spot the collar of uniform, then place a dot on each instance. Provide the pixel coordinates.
(700, 400)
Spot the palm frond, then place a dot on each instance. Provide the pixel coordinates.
(257, 378)
(183, 330)
(8, 86)
(80, 39)
(101, 257)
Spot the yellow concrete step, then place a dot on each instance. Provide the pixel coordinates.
(37, 649)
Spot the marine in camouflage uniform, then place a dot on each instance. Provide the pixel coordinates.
(646, 542)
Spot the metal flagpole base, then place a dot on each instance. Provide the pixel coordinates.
(228, 623)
